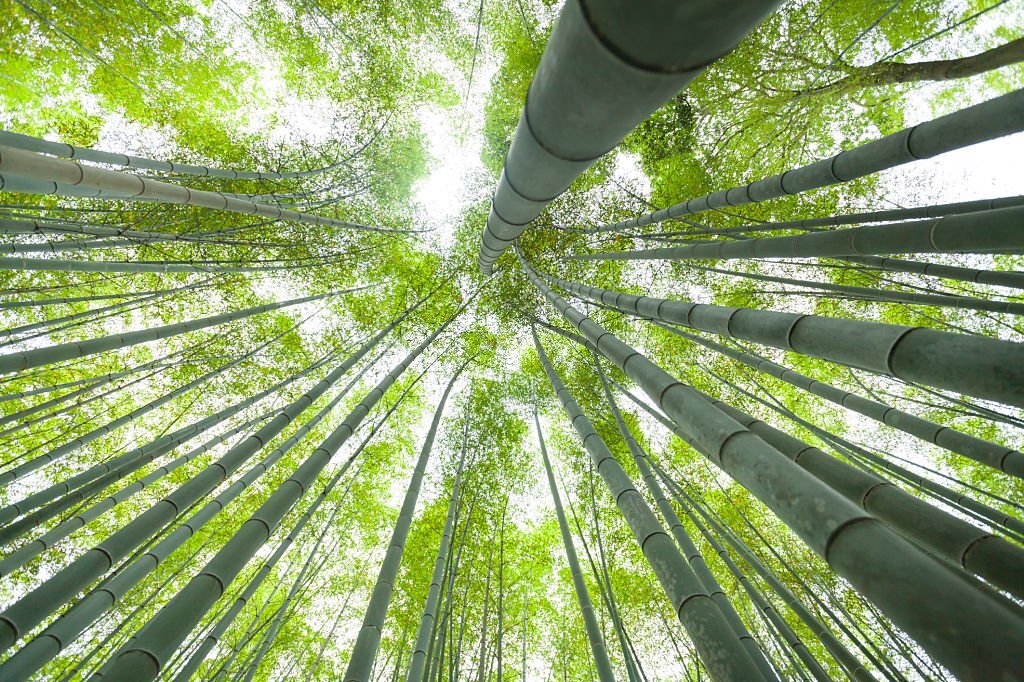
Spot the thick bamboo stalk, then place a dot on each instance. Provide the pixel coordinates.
(70, 151)
(957, 301)
(960, 631)
(1002, 278)
(719, 648)
(61, 174)
(989, 120)
(417, 663)
(29, 611)
(986, 452)
(764, 606)
(690, 551)
(48, 597)
(996, 231)
(604, 70)
(851, 665)
(934, 211)
(963, 544)
(979, 366)
(594, 637)
(164, 632)
(364, 650)
(206, 267)
(37, 357)
(197, 657)
(604, 584)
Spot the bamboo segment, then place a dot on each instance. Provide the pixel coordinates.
(93, 181)
(986, 121)
(996, 231)
(936, 211)
(70, 151)
(594, 637)
(719, 648)
(162, 635)
(959, 631)
(979, 366)
(604, 70)
(364, 651)
(986, 452)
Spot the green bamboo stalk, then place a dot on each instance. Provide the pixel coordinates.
(978, 123)
(997, 561)
(57, 265)
(604, 584)
(597, 644)
(364, 650)
(604, 70)
(887, 569)
(61, 175)
(980, 366)
(986, 452)
(956, 301)
(935, 211)
(853, 668)
(690, 551)
(1000, 278)
(715, 640)
(271, 633)
(70, 151)
(95, 237)
(165, 631)
(995, 231)
(37, 357)
(417, 662)
(71, 317)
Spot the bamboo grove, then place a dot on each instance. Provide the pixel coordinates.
(528, 340)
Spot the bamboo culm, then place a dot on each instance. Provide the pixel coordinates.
(70, 151)
(887, 569)
(164, 632)
(979, 366)
(603, 71)
(682, 538)
(66, 177)
(978, 123)
(597, 644)
(719, 648)
(993, 231)
(28, 467)
(418, 661)
(364, 650)
(997, 456)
